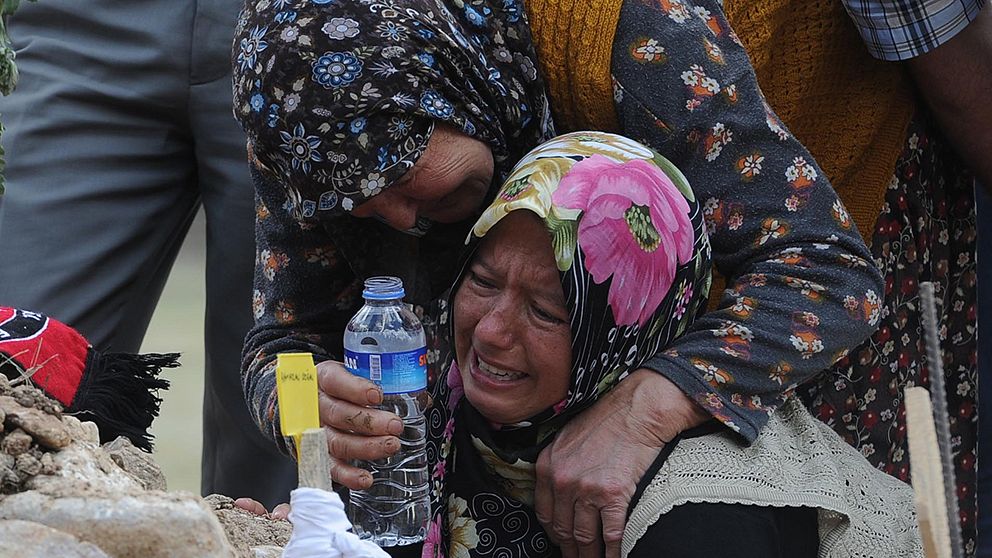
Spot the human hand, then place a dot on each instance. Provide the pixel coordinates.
(354, 430)
(447, 184)
(587, 476)
(254, 506)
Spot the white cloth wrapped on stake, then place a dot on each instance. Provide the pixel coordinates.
(322, 530)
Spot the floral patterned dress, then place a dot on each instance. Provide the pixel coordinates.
(926, 231)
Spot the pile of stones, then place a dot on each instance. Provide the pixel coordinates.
(31, 429)
(64, 494)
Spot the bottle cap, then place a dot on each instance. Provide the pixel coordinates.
(383, 288)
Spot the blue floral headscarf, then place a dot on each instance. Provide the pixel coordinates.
(634, 261)
(339, 98)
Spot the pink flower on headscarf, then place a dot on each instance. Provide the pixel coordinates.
(635, 226)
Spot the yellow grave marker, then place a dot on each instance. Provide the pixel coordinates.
(296, 387)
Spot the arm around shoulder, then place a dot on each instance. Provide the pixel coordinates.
(799, 274)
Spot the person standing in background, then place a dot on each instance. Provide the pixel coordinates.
(902, 144)
(120, 129)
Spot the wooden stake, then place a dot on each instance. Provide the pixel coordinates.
(314, 461)
(928, 479)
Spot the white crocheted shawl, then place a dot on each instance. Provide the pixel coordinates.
(796, 461)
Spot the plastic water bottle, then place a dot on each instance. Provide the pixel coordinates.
(384, 342)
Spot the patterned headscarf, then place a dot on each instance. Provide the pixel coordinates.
(634, 262)
(340, 98)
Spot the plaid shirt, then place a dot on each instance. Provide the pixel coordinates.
(903, 29)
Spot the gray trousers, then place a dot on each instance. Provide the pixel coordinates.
(120, 128)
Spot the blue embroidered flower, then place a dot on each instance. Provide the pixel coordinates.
(425, 33)
(251, 46)
(281, 4)
(302, 147)
(290, 33)
(392, 31)
(436, 105)
(469, 128)
(334, 69)
(474, 17)
(426, 58)
(399, 127)
(257, 102)
(357, 125)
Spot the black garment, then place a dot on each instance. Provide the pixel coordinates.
(738, 531)
(713, 530)
(716, 530)
(732, 530)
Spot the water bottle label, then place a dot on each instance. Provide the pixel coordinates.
(394, 372)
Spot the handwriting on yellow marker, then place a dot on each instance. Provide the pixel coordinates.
(296, 387)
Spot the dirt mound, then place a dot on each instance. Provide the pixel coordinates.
(60, 489)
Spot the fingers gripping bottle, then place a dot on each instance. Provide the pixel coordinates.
(385, 343)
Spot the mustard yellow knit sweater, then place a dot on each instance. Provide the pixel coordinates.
(850, 110)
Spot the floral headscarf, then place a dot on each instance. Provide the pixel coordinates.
(339, 98)
(634, 262)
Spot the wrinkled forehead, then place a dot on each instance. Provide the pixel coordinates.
(519, 246)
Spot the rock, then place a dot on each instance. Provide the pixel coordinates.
(25, 397)
(248, 533)
(27, 465)
(26, 539)
(136, 463)
(82, 462)
(9, 480)
(16, 442)
(48, 466)
(30, 396)
(82, 431)
(46, 429)
(145, 524)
